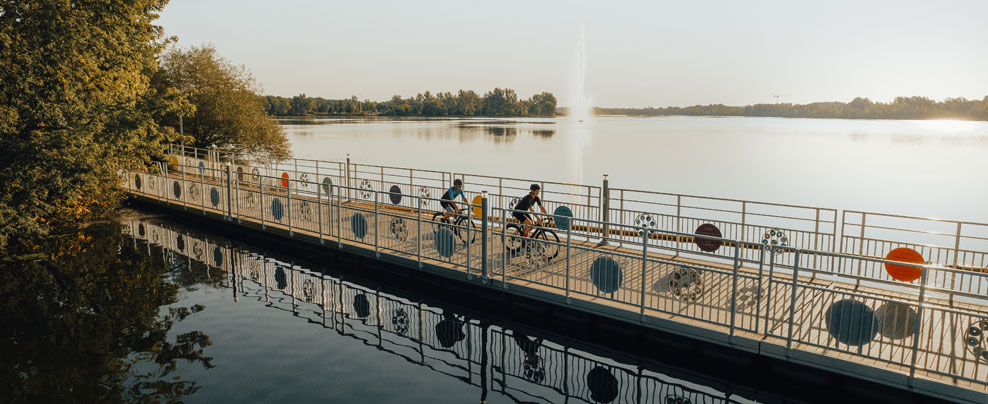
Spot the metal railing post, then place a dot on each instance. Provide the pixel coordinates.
(483, 236)
(319, 206)
(569, 235)
(261, 205)
(418, 220)
(468, 241)
(291, 230)
(339, 217)
(641, 311)
(605, 202)
(919, 326)
(504, 249)
(734, 284)
(348, 177)
(202, 192)
(237, 188)
(377, 214)
(229, 193)
(792, 302)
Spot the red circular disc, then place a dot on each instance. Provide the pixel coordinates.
(284, 180)
(902, 272)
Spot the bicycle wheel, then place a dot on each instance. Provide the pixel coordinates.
(513, 241)
(460, 229)
(551, 243)
(438, 222)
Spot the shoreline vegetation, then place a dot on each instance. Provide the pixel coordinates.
(498, 102)
(859, 108)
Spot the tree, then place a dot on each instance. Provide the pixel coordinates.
(76, 107)
(228, 111)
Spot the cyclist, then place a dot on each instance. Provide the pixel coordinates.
(446, 201)
(524, 205)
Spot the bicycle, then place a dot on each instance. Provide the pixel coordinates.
(458, 225)
(549, 247)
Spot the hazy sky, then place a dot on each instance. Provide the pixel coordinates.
(638, 53)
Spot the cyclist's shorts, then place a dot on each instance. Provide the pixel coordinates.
(520, 216)
(447, 206)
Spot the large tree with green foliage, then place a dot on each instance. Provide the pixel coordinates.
(228, 111)
(76, 107)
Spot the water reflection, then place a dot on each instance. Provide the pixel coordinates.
(82, 319)
(517, 365)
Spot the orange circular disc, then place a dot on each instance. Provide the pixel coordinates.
(902, 272)
(478, 210)
(174, 162)
(284, 180)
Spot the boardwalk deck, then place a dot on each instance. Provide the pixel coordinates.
(751, 304)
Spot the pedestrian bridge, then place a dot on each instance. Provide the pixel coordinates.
(887, 298)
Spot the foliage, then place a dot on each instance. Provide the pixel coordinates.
(82, 321)
(859, 108)
(498, 102)
(76, 107)
(229, 114)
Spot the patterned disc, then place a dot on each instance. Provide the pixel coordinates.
(366, 190)
(399, 230)
(976, 341)
(686, 283)
(644, 220)
(424, 194)
(774, 239)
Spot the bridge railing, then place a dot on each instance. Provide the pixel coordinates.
(789, 294)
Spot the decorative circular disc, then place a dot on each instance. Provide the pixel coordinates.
(359, 225)
(606, 274)
(280, 279)
(174, 163)
(202, 168)
(194, 191)
(137, 181)
(449, 331)
(399, 230)
(304, 181)
(177, 189)
(686, 283)
(197, 249)
(277, 209)
(180, 243)
(399, 320)
(395, 195)
(240, 173)
(774, 239)
(896, 320)
(851, 322)
(646, 221)
(327, 186)
(308, 290)
(217, 256)
(602, 384)
(284, 180)
(255, 175)
(361, 305)
(445, 243)
(304, 210)
(563, 217)
(676, 399)
(478, 210)
(902, 272)
(366, 190)
(424, 194)
(214, 196)
(976, 341)
(706, 244)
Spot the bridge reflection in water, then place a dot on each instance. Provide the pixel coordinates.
(523, 368)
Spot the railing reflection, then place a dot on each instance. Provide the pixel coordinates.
(521, 367)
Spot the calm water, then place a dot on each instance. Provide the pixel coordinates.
(920, 168)
(148, 310)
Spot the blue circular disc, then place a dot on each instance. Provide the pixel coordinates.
(202, 167)
(176, 189)
(563, 216)
(280, 279)
(217, 256)
(605, 273)
(180, 243)
(445, 244)
(602, 384)
(140, 229)
(277, 210)
(214, 196)
(327, 186)
(137, 181)
(359, 225)
(395, 194)
(851, 322)
(896, 320)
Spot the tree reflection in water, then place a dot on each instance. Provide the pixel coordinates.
(82, 321)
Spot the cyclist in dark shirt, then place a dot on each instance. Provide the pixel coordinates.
(526, 204)
(446, 201)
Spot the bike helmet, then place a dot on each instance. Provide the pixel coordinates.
(457, 182)
(535, 187)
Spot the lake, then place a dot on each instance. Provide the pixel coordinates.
(917, 168)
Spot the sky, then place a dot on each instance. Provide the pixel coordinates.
(637, 53)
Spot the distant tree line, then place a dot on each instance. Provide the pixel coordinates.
(859, 108)
(498, 102)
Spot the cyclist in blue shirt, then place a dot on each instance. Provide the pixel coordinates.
(446, 201)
